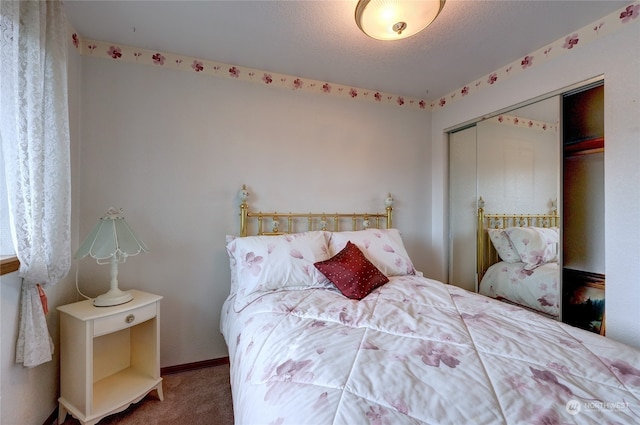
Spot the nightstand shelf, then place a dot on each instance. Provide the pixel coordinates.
(109, 356)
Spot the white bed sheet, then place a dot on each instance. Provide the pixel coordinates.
(537, 289)
(417, 351)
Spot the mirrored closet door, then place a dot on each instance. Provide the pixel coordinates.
(512, 161)
(546, 160)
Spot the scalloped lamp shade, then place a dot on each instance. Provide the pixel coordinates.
(111, 241)
(396, 19)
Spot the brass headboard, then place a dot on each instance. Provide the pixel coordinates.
(486, 253)
(314, 221)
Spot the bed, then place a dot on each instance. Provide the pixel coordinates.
(411, 351)
(517, 259)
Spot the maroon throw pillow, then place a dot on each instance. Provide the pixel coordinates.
(352, 273)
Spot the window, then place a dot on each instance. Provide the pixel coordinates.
(6, 245)
(8, 261)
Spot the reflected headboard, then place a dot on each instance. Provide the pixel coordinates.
(486, 253)
(300, 222)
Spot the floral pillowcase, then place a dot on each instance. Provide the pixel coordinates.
(263, 264)
(535, 245)
(503, 245)
(383, 247)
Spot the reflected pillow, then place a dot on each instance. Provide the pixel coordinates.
(383, 247)
(263, 264)
(503, 245)
(352, 273)
(535, 245)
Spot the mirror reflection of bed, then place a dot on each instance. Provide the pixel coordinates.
(517, 258)
(512, 159)
(518, 160)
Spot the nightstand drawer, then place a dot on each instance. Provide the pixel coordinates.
(123, 320)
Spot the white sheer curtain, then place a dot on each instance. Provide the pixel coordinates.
(34, 133)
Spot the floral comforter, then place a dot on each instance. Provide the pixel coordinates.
(537, 289)
(417, 351)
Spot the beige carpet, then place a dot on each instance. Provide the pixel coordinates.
(201, 396)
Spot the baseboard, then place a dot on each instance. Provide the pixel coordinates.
(194, 366)
(53, 417)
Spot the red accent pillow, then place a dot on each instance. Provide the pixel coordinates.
(351, 272)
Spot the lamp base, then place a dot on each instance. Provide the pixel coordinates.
(112, 297)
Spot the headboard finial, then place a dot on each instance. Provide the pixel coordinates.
(244, 193)
(388, 202)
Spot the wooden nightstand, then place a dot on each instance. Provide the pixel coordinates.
(109, 356)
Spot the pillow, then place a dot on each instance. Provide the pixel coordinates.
(503, 246)
(231, 248)
(352, 273)
(383, 247)
(263, 264)
(535, 245)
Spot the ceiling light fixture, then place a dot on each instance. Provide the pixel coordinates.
(396, 19)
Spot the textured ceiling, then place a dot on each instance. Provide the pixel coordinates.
(320, 40)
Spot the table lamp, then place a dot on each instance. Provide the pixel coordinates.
(110, 242)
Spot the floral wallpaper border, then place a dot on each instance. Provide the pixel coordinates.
(523, 122)
(607, 25)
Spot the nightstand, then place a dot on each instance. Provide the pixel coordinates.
(109, 356)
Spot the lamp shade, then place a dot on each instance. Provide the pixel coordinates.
(111, 241)
(111, 237)
(396, 19)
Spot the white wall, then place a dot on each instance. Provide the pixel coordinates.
(617, 57)
(173, 149)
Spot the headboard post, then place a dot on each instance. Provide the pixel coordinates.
(388, 202)
(480, 243)
(244, 210)
(555, 218)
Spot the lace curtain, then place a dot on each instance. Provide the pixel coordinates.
(34, 134)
